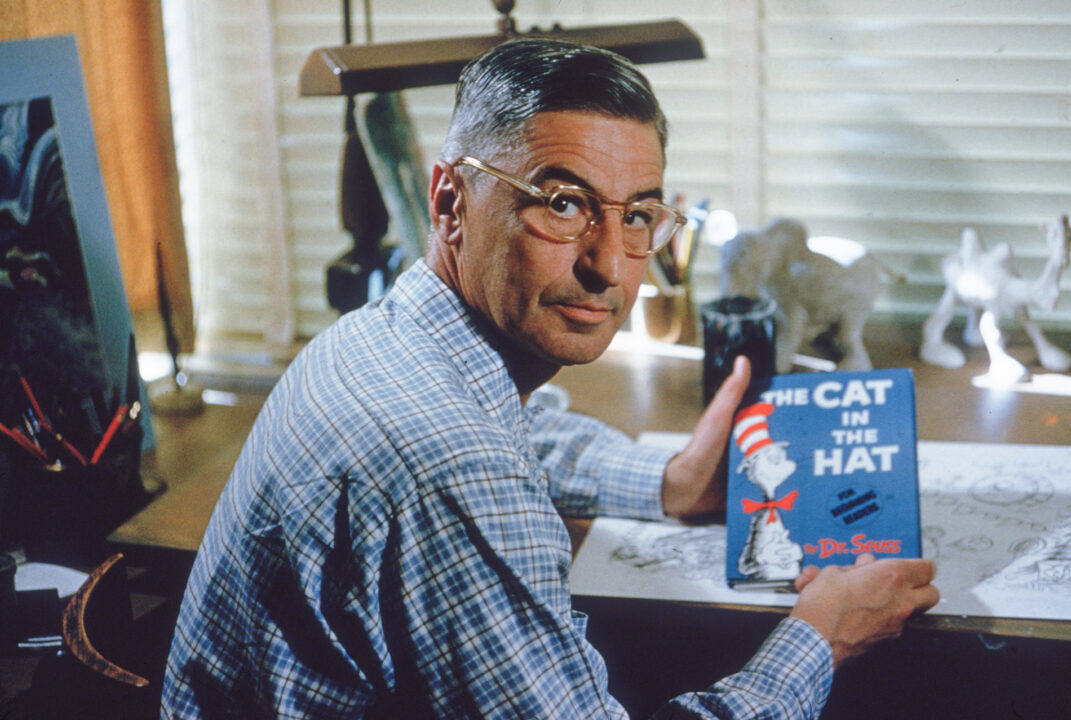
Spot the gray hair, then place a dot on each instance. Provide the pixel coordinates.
(500, 93)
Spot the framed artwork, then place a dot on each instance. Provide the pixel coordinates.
(68, 366)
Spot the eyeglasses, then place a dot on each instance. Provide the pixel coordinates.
(570, 211)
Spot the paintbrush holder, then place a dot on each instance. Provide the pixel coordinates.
(665, 314)
(65, 515)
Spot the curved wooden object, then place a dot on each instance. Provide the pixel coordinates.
(74, 629)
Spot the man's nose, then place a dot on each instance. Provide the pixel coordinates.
(604, 253)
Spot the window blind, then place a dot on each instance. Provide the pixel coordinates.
(899, 124)
(894, 124)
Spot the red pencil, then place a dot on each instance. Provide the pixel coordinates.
(26, 444)
(109, 433)
(70, 449)
(42, 420)
(41, 417)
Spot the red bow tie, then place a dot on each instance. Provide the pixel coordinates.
(784, 503)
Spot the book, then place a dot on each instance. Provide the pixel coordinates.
(822, 468)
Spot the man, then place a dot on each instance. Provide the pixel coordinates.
(389, 543)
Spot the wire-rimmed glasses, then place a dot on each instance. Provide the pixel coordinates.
(570, 211)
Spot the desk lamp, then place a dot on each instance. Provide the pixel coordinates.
(387, 67)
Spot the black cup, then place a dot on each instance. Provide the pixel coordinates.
(733, 326)
(65, 515)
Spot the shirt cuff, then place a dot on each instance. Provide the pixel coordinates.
(637, 491)
(794, 662)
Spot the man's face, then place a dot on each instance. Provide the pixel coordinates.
(562, 301)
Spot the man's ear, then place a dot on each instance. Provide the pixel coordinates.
(444, 203)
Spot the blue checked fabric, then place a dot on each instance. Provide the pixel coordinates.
(389, 544)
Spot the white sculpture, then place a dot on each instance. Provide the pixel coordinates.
(816, 295)
(987, 283)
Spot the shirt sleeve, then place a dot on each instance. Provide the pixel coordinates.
(789, 678)
(495, 636)
(595, 469)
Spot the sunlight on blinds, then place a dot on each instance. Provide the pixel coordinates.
(893, 124)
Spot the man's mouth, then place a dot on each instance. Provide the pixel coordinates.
(585, 313)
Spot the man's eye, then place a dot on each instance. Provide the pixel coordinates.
(639, 218)
(568, 205)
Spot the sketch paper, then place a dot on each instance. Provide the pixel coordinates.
(997, 521)
(661, 560)
(995, 518)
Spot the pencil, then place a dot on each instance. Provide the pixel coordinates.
(25, 443)
(41, 417)
(113, 426)
(70, 449)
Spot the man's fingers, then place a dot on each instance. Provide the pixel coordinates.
(709, 437)
(920, 572)
(734, 386)
(926, 597)
(691, 483)
(807, 575)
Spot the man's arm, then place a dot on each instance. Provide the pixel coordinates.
(789, 678)
(595, 469)
(496, 636)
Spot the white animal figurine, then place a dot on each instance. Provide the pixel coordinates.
(987, 283)
(816, 295)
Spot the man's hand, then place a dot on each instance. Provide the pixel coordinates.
(691, 484)
(855, 607)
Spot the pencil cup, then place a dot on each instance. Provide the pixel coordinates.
(666, 315)
(735, 326)
(66, 514)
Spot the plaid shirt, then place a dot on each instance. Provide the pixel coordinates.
(390, 545)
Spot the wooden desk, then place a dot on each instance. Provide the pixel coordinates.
(632, 391)
(661, 393)
(194, 455)
(943, 667)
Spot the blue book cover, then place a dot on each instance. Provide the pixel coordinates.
(822, 468)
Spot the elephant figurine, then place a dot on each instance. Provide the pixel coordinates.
(817, 297)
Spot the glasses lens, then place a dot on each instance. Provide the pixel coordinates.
(647, 226)
(569, 212)
(653, 224)
(641, 222)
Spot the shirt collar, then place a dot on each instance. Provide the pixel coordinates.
(465, 337)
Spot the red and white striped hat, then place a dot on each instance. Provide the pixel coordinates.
(750, 429)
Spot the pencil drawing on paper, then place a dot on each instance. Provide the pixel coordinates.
(1041, 565)
(691, 553)
(995, 518)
